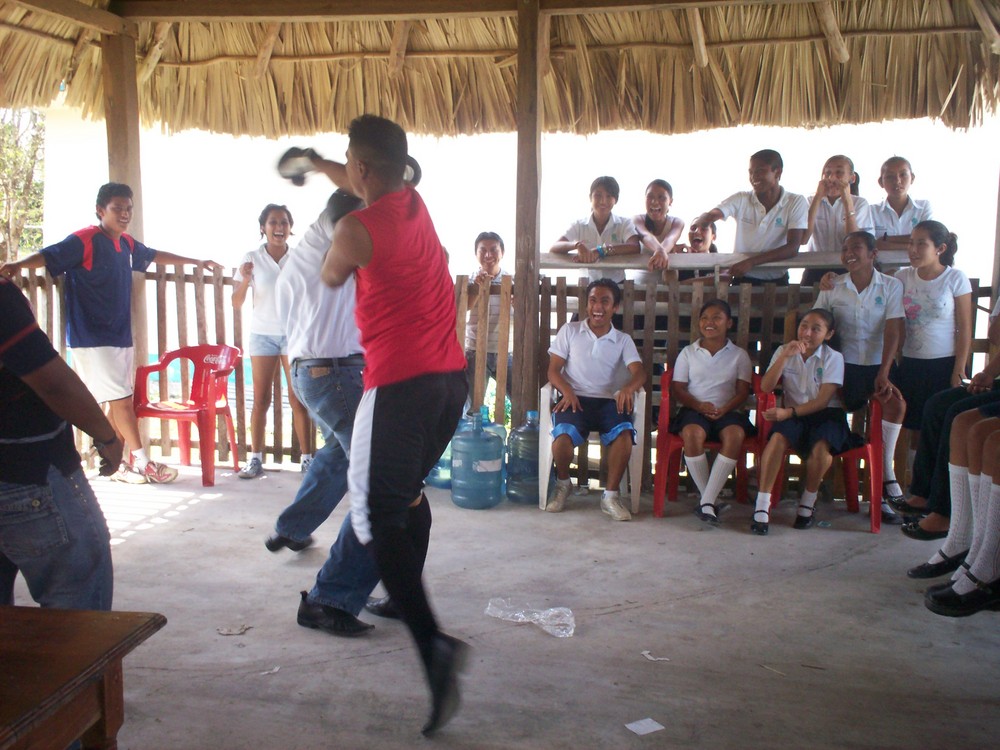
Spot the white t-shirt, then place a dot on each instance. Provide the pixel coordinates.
(318, 320)
(617, 231)
(801, 380)
(595, 366)
(829, 230)
(860, 316)
(712, 377)
(887, 221)
(493, 330)
(759, 230)
(930, 312)
(265, 318)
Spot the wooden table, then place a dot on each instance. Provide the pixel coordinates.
(61, 674)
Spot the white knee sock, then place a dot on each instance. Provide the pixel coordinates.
(986, 566)
(808, 500)
(763, 506)
(960, 526)
(258, 456)
(979, 497)
(721, 470)
(698, 471)
(890, 434)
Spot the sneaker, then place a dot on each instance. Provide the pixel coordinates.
(252, 469)
(128, 475)
(304, 467)
(558, 500)
(614, 508)
(159, 473)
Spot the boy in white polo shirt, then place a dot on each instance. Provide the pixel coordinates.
(588, 362)
(602, 234)
(770, 222)
(711, 381)
(895, 217)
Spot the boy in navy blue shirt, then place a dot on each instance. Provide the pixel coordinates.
(98, 263)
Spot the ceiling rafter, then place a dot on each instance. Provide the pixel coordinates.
(978, 8)
(697, 31)
(831, 30)
(266, 48)
(72, 11)
(83, 41)
(397, 48)
(155, 51)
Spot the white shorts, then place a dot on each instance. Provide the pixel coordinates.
(107, 371)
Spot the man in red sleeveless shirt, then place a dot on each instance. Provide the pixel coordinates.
(414, 381)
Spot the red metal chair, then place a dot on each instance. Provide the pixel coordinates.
(870, 452)
(209, 399)
(669, 448)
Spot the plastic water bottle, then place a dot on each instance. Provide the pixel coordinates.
(491, 426)
(476, 467)
(522, 462)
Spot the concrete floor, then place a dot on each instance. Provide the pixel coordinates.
(812, 639)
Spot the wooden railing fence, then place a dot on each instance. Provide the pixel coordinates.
(195, 308)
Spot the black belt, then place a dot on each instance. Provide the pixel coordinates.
(352, 359)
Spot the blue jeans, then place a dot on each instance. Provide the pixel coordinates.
(332, 399)
(56, 535)
(348, 575)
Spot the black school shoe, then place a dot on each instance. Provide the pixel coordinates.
(946, 602)
(448, 657)
(933, 570)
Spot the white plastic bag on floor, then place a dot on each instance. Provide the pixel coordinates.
(557, 621)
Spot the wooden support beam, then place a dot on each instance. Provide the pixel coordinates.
(83, 41)
(76, 12)
(302, 11)
(121, 116)
(155, 51)
(524, 377)
(985, 21)
(397, 49)
(266, 48)
(697, 31)
(831, 29)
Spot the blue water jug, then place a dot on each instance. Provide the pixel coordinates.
(476, 467)
(440, 475)
(490, 426)
(522, 462)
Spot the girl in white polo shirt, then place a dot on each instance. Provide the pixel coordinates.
(711, 381)
(812, 421)
(266, 344)
(937, 300)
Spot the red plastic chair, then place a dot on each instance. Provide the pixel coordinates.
(666, 479)
(870, 452)
(209, 399)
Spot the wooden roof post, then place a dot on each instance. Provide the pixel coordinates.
(524, 378)
(121, 116)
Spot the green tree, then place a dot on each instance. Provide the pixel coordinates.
(22, 135)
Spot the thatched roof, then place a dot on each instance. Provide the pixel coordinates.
(232, 66)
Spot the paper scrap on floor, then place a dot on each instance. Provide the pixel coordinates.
(645, 726)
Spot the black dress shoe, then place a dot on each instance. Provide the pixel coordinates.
(330, 619)
(277, 541)
(913, 530)
(760, 527)
(898, 503)
(804, 522)
(933, 570)
(383, 607)
(710, 518)
(889, 517)
(946, 602)
(448, 656)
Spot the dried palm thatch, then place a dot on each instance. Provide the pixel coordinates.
(761, 63)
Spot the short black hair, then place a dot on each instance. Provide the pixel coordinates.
(381, 144)
(719, 303)
(770, 157)
(112, 190)
(868, 238)
(610, 185)
(662, 184)
(616, 292)
(341, 203)
(488, 236)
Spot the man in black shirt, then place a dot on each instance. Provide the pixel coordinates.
(51, 527)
